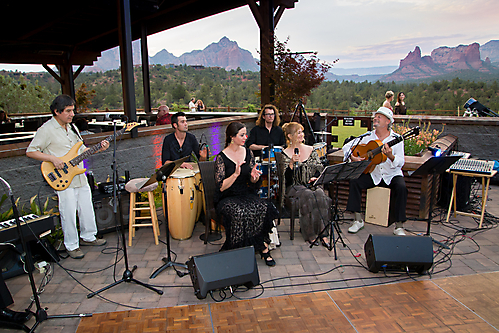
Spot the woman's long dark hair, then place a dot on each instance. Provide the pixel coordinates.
(232, 129)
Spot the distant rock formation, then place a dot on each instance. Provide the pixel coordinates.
(490, 50)
(442, 60)
(225, 54)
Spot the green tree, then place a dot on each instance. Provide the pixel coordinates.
(294, 75)
(22, 96)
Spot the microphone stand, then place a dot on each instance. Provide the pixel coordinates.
(301, 110)
(40, 314)
(127, 274)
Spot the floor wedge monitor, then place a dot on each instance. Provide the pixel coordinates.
(399, 252)
(222, 269)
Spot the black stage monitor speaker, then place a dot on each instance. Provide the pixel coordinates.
(399, 252)
(222, 269)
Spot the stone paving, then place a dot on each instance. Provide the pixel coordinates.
(302, 269)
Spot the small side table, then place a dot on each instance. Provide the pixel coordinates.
(485, 192)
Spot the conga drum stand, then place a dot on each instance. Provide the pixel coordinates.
(161, 175)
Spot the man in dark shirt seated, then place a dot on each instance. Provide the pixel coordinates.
(266, 131)
(181, 143)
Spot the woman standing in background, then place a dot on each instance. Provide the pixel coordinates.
(389, 98)
(400, 104)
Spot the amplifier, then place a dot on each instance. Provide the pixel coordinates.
(107, 188)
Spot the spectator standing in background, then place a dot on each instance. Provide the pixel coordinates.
(192, 105)
(389, 98)
(400, 104)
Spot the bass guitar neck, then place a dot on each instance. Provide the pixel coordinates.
(60, 179)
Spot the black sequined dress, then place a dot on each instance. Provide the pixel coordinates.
(247, 218)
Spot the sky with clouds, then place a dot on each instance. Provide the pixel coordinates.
(360, 33)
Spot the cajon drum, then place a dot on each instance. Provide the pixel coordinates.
(378, 206)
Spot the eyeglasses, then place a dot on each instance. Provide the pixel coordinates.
(269, 114)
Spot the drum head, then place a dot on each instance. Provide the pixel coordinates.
(182, 173)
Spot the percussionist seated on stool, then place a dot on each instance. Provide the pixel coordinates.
(52, 140)
(247, 218)
(386, 174)
(181, 143)
(301, 167)
(266, 131)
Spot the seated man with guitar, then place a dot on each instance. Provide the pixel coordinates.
(54, 139)
(387, 173)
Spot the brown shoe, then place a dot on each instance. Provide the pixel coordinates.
(76, 254)
(96, 242)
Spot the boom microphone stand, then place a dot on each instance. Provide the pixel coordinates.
(40, 313)
(127, 274)
(300, 109)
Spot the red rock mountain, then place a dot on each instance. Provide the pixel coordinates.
(442, 60)
(226, 54)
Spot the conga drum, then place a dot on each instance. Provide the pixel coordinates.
(199, 189)
(182, 202)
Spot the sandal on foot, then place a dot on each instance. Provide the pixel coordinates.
(311, 242)
(324, 243)
(265, 257)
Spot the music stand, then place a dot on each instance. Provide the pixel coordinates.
(161, 175)
(434, 166)
(117, 208)
(335, 173)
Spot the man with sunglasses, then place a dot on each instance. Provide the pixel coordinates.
(181, 143)
(266, 131)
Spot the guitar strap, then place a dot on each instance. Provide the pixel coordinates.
(74, 130)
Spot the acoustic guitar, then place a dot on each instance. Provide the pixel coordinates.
(60, 179)
(372, 150)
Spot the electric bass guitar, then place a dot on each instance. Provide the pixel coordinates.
(60, 179)
(372, 150)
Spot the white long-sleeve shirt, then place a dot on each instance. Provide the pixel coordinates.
(388, 169)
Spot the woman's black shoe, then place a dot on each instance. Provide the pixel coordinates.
(14, 316)
(270, 262)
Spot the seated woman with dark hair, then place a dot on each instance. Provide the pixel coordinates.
(301, 166)
(247, 218)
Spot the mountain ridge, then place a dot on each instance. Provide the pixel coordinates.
(225, 54)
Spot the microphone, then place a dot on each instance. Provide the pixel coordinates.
(363, 135)
(297, 152)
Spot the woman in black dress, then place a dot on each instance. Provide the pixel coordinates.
(247, 218)
(301, 166)
(400, 105)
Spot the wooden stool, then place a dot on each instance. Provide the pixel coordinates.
(133, 187)
(378, 206)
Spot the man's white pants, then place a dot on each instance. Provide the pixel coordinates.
(72, 200)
